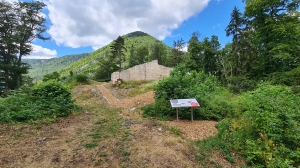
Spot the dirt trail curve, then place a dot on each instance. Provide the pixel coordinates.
(137, 101)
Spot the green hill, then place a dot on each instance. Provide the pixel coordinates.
(90, 63)
(41, 67)
(34, 63)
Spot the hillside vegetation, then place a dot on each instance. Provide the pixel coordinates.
(34, 63)
(89, 64)
(41, 67)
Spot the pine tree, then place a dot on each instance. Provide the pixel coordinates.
(118, 49)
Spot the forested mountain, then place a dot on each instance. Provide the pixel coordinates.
(34, 63)
(41, 67)
(133, 42)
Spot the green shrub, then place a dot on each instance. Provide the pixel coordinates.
(54, 96)
(266, 127)
(290, 78)
(180, 85)
(53, 76)
(207, 146)
(2, 106)
(49, 99)
(241, 84)
(81, 78)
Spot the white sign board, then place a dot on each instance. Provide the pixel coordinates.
(176, 103)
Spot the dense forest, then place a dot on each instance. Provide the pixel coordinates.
(250, 86)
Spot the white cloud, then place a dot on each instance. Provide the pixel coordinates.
(95, 23)
(41, 53)
(11, 1)
(185, 48)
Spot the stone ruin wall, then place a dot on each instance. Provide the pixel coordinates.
(147, 71)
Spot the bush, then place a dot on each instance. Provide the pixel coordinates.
(241, 84)
(49, 99)
(54, 96)
(81, 78)
(180, 85)
(53, 76)
(290, 78)
(266, 127)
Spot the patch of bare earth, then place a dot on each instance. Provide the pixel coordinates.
(59, 144)
(196, 130)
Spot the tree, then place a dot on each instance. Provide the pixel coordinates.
(235, 26)
(276, 28)
(8, 47)
(224, 62)
(31, 25)
(177, 54)
(106, 68)
(194, 60)
(142, 54)
(132, 54)
(158, 52)
(209, 53)
(117, 50)
(20, 23)
(138, 56)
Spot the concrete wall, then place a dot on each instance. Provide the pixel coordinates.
(148, 71)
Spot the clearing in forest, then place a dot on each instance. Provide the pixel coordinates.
(107, 132)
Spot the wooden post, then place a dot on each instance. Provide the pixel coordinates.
(192, 114)
(177, 113)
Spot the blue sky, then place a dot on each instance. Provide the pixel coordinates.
(213, 20)
(84, 26)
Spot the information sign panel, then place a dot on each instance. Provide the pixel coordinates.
(176, 103)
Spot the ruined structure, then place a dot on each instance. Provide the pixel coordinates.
(148, 71)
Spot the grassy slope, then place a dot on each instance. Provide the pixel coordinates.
(88, 64)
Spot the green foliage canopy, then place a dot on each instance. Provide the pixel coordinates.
(20, 24)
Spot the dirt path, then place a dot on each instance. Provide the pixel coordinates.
(128, 103)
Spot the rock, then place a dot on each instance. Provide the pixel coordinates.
(42, 139)
(132, 109)
(160, 130)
